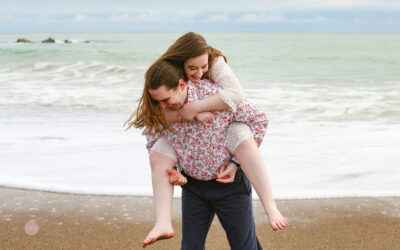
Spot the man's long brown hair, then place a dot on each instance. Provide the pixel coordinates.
(167, 70)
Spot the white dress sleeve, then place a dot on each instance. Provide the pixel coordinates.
(158, 142)
(164, 147)
(231, 91)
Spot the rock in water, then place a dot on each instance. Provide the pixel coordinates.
(23, 40)
(49, 40)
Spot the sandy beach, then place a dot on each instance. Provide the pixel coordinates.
(45, 220)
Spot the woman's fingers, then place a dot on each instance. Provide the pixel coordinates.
(224, 180)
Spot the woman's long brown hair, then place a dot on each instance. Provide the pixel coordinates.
(149, 115)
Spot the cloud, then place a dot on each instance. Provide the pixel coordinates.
(257, 18)
(219, 18)
(311, 5)
(121, 18)
(83, 15)
(152, 17)
(271, 18)
(5, 17)
(81, 18)
(205, 6)
(137, 17)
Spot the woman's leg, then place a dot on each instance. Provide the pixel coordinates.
(241, 142)
(163, 192)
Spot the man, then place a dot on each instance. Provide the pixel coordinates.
(202, 152)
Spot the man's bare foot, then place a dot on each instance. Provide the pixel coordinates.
(158, 233)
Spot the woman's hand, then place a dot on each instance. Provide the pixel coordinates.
(205, 117)
(227, 173)
(189, 111)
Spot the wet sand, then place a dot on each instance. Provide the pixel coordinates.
(45, 220)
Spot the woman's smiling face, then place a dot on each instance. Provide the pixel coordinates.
(196, 67)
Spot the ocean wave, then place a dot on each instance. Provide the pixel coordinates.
(102, 86)
(61, 148)
(82, 85)
(76, 68)
(334, 103)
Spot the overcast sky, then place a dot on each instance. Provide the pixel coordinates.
(201, 15)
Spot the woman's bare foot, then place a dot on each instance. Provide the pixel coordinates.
(158, 233)
(276, 220)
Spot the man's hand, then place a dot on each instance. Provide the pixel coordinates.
(189, 111)
(227, 173)
(176, 178)
(205, 117)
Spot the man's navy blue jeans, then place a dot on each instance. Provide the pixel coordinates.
(232, 203)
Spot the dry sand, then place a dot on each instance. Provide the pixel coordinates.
(45, 220)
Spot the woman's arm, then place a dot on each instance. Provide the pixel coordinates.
(229, 96)
(231, 91)
(190, 110)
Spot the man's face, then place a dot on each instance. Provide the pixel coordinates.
(169, 98)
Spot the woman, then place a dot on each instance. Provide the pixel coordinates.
(201, 61)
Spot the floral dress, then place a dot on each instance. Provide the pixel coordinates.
(202, 148)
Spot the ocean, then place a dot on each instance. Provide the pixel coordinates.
(333, 102)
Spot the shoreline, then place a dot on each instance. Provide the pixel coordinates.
(76, 221)
(289, 198)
